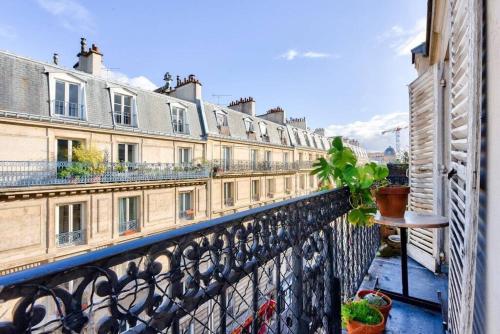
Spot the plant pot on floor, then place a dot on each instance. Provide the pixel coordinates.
(356, 327)
(359, 317)
(392, 200)
(384, 309)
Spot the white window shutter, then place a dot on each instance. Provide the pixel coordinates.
(464, 145)
(424, 245)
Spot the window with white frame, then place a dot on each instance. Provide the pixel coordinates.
(67, 99)
(263, 129)
(221, 119)
(302, 181)
(270, 187)
(254, 158)
(269, 156)
(127, 153)
(228, 193)
(70, 222)
(311, 181)
(288, 184)
(186, 205)
(184, 155)
(249, 127)
(281, 134)
(285, 157)
(65, 149)
(179, 120)
(127, 214)
(226, 157)
(122, 109)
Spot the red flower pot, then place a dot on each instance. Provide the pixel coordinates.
(383, 309)
(392, 200)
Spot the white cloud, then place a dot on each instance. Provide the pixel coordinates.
(292, 54)
(139, 82)
(7, 32)
(369, 133)
(70, 14)
(402, 40)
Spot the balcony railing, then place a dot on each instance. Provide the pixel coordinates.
(182, 128)
(229, 201)
(294, 261)
(130, 226)
(70, 238)
(68, 109)
(306, 164)
(41, 173)
(238, 166)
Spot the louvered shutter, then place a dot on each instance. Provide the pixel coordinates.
(464, 124)
(424, 245)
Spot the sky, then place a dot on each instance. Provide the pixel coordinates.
(344, 65)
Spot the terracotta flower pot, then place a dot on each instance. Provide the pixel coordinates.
(355, 327)
(392, 200)
(383, 309)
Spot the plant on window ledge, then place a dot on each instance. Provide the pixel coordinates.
(339, 169)
(87, 162)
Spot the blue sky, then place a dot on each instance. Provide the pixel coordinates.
(342, 64)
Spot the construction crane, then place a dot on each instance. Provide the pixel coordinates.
(396, 131)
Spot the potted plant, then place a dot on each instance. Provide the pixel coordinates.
(341, 170)
(392, 200)
(378, 300)
(360, 317)
(91, 160)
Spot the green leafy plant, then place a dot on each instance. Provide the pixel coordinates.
(360, 311)
(341, 169)
(120, 168)
(76, 170)
(92, 158)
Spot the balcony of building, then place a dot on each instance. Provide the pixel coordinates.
(17, 174)
(284, 268)
(228, 167)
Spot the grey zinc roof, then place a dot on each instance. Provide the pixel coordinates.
(24, 90)
(312, 137)
(236, 123)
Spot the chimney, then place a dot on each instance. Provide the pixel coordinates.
(89, 61)
(188, 89)
(298, 122)
(320, 131)
(55, 59)
(244, 105)
(276, 115)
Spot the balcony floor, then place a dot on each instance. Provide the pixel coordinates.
(405, 318)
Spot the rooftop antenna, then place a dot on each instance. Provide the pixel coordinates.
(218, 96)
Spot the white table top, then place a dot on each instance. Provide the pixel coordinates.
(413, 219)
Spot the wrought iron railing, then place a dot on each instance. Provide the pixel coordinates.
(70, 238)
(305, 164)
(128, 226)
(238, 166)
(283, 267)
(40, 173)
(180, 127)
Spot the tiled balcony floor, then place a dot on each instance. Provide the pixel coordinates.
(423, 283)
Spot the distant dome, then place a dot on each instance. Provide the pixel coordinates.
(389, 152)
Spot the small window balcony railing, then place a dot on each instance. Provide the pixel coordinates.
(306, 164)
(239, 166)
(284, 267)
(187, 214)
(181, 128)
(128, 227)
(42, 173)
(70, 238)
(68, 109)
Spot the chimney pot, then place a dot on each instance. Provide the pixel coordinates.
(55, 58)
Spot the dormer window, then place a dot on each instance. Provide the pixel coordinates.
(281, 134)
(222, 123)
(308, 143)
(67, 95)
(179, 120)
(263, 131)
(297, 137)
(124, 106)
(249, 127)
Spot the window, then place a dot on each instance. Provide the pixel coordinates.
(263, 129)
(269, 156)
(310, 157)
(301, 157)
(127, 215)
(67, 99)
(288, 185)
(249, 127)
(184, 155)
(228, 193)
(281, 134)
(270, 187)
(285, 158)
(311, 181)
(65, 149)
(254, 159)
(185, 205)
(302, 182)
(69, 224)
(127, 153)
(221, 119)
(122, 109)
(255, 190)
(307, 139)
(297, 137)
(179, 120)
(226, 157)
